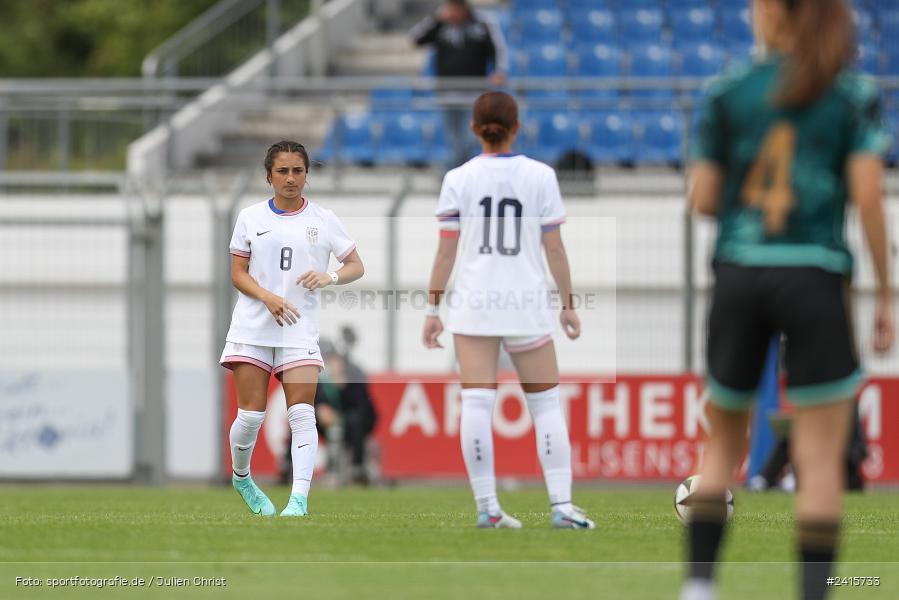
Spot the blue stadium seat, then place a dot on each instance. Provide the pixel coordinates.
(574, 5)
(654, 4)
(437, 144)
(888, 21)
(641, 24)
(701, 60)
(547, 60)
(525, 5)
(389, 99)
(350, 140)
(551, 135)
(588, 100)
(549, 100)
(736, 24)
(539, 26)
(868, 59)
(597, 60)
(687, 4)
(889, 64)
(693, 24)
(864, 25)
(659, 138)
(610, 137)
(651, 60)
(401, 140)
(518, 62)
(594, 24)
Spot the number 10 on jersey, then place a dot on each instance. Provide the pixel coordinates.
(504, 204)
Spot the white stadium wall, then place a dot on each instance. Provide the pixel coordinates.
(63, 308)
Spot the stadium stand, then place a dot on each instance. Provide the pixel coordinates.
(637, 42)
(592, 25)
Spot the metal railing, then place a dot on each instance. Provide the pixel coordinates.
(71, 125)
(76, 125)
(223, 37)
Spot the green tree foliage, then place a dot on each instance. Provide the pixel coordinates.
(87, 38)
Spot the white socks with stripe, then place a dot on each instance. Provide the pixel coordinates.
(244, 430)
(553, 445)
(476, 436)
(303, 446)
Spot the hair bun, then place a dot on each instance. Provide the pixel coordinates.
(493, 133)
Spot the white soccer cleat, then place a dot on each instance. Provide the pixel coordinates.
(500, 521)
(575, 518)
(698, 589)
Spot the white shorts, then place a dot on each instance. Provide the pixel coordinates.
(522, 343)
(273, 360)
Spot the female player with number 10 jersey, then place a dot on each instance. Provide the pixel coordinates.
(501, 211)
(280, 253)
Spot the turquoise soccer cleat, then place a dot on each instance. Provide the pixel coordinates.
(576, 518)
(296, 506)
(254, 497)
(500, 521)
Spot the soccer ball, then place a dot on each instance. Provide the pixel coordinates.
(682, 499)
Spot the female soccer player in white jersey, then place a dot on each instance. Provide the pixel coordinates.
(504, 210)
(280, 252)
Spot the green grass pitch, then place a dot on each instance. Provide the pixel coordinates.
(408, 542)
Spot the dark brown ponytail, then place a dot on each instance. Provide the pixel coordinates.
(825, 44)
(495, 115)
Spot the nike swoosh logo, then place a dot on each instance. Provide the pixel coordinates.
(258, 233)
(239, 448)
(311, 352)
(303, 446)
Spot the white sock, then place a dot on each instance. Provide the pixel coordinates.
(244, 430)
(553, 445)
(304, 446)
(476, 436)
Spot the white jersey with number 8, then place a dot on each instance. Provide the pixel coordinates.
(500, 205)
(282, 246)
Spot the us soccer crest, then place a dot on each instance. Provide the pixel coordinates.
(312, 235)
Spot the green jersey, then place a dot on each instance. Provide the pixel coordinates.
(785, 185)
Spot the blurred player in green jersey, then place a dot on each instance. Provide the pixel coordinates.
(783, 146)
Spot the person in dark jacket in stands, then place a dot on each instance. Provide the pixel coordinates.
(465, 45)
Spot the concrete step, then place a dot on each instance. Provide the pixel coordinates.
(390, 43)
(372, 54)
(307, 123)
(398, 65)
(368, 53)
(405, 13)
(304, 121)
(238, 152)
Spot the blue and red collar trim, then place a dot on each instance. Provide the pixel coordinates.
(284, 213)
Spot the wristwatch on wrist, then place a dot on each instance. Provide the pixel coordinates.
(333, 276)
